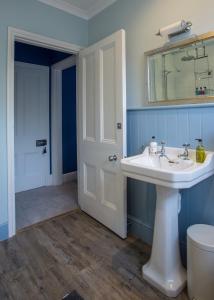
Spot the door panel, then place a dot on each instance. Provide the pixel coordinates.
(89, 104)
(101, 107)
(31, 124)
(90, 181)
(108, 93)
(109, 186)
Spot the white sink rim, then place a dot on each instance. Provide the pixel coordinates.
(179, 179)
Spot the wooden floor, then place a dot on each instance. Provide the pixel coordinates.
(73, 252)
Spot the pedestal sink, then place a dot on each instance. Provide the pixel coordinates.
(164, 269)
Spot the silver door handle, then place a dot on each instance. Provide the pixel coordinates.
(112, 157)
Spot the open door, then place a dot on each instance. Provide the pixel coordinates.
(102, 132)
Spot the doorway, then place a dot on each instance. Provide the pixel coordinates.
(101, 126)
(34, 152)
(37, 199)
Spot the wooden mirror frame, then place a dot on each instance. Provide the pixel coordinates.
(168, 47)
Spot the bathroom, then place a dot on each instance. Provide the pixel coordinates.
(174, 124)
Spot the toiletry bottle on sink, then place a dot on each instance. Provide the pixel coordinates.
(200, 152)
(153, 146)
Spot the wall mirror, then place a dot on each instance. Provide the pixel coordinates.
(182, 72)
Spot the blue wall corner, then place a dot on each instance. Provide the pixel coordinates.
(37, 55)
(4, 231)
(69, 135)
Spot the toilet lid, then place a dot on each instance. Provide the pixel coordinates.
(202, 236)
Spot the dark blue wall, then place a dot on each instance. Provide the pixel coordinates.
(69, 144)
(46, 57)
(37, 55)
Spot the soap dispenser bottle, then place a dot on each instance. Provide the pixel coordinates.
(200, 152)
(153, 146)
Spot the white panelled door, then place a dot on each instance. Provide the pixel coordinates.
(31, 126)
(102, 132)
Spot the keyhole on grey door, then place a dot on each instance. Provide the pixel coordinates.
(44, 151)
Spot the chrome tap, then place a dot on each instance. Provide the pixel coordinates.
(162, 151)
(185, 155)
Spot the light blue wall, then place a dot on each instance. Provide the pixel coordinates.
(175, 126)
(30, 15)
(141, 19)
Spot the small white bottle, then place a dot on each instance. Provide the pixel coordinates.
(153, 146)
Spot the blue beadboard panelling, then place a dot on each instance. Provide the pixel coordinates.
(141, 208)
(3, 231)
(175, 126)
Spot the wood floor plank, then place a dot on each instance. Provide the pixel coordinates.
(74, 252)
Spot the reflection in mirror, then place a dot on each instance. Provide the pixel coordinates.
(181, 73)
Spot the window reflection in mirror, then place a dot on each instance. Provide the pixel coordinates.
(182, 73)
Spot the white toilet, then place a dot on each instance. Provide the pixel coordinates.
(200, 262)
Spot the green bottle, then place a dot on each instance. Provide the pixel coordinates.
(200, 152)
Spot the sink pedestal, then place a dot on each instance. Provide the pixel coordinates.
(164, 269)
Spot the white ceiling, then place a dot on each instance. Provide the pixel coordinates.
(85, 9)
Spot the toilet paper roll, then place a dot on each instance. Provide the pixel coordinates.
(172, 28)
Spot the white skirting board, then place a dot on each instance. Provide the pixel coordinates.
(69, 177)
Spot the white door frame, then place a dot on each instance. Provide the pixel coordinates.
(15, 34)
(56, 117)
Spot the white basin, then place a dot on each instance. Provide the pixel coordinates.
(164, 269)
(181, 174)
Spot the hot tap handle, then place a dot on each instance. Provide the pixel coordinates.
(186, 145)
